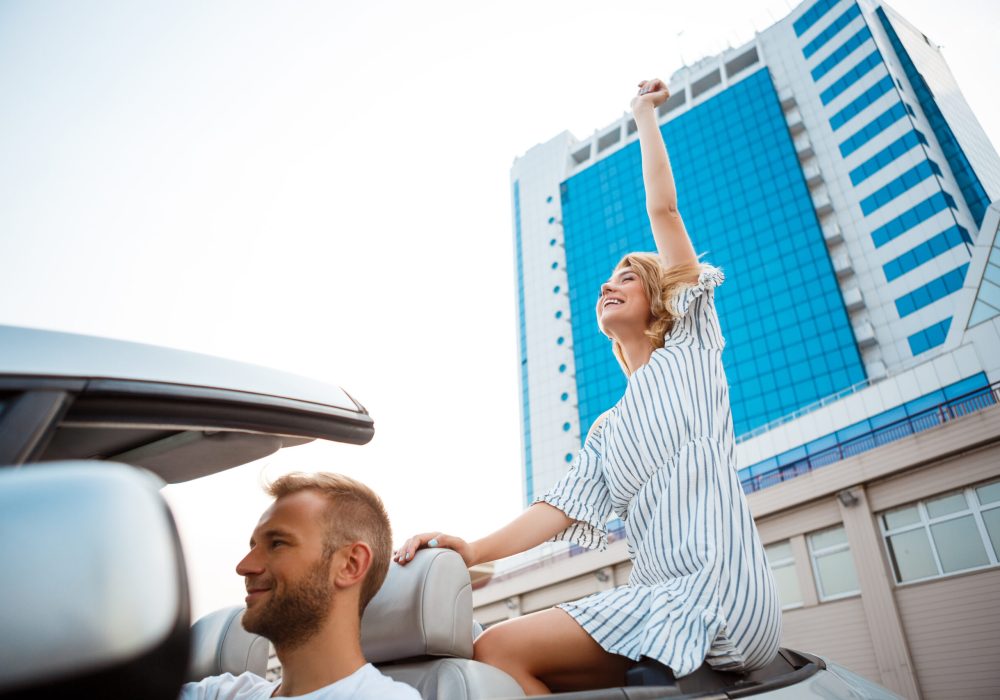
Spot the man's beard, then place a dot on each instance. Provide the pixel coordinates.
(293, 616)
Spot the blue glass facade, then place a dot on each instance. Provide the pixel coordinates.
(747, 206)
(927, 294)
(872, 129)
(813, 15)
(843, 51)
(887, 155)
(892, 189)
(929, 337)
(971, 188)
(860, 102)
(831, 30)
(937, 202)
(864, 435)
(525, 403)
(928, 250)
(863, 67)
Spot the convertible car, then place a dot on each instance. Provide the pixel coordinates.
(94, 599)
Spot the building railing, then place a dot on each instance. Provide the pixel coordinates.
(961, 406)
(937, 415)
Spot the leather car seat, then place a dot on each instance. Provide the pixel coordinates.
(219, 644)
(418, 629)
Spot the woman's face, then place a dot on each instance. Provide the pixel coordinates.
(623, 306)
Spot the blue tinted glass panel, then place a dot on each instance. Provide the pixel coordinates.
(872, 129)
(888, 192)
(746, 203)
(887, 155)
(812, 15)
(833, 442)
(937, 202)
(928, 250)
(852, 76)
(842, 52)
(824, 36)
(922, 296)
(861, 102)
(971, 188)
(930, 337)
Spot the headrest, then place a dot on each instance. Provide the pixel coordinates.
(423, 608)
(219, 644)
(94, 586)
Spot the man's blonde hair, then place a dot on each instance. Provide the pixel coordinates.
(661, 284)
(355, 514)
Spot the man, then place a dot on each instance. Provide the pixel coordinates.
(317, 557)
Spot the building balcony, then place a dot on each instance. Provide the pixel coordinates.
(803, 146)
(832, 234)
(853, 299)
(944, 413)
(794, 120)
(865, 335)
(843, 266)
(822, 203)
(787, 99)
(813, 175)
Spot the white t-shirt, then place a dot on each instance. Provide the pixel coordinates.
(367, 683)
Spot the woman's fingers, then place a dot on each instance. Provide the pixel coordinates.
(404, 554)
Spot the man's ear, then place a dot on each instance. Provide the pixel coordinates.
(354, 563)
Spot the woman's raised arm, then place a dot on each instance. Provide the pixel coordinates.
(671, 237)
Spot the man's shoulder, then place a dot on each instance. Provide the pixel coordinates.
(375, 684)
(246, 686)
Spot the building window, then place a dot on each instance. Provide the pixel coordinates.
(832, 563)
(953, 532)
(782, 562)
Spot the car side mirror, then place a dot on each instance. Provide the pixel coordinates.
(93, 585)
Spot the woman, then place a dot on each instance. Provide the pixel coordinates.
(663, 460)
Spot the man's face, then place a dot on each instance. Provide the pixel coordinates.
(289, 588)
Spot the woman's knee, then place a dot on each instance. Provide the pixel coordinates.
(497, 645)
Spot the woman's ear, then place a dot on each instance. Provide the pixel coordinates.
(355, 560)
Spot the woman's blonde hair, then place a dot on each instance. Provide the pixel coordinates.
(661, 284)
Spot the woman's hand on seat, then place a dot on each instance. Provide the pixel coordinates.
(404, 555)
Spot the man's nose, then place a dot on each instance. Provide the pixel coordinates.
(250, 564)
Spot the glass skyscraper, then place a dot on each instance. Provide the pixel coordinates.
(833, 170)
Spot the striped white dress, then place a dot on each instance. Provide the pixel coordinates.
(663, 460)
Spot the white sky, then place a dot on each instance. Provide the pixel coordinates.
(323, 188)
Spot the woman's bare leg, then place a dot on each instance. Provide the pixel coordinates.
(549, 651)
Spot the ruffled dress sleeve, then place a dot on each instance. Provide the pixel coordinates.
(582, 494)
(697, 324)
